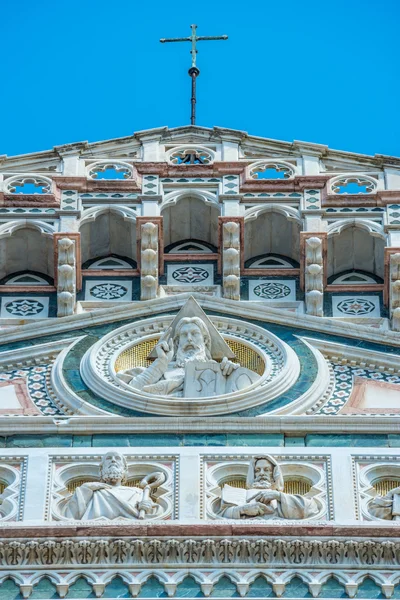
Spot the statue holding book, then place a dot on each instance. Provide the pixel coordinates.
(192, 360)
(264, 497)
(386, 507)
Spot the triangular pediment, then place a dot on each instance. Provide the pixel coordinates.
(251, 147)
(219, 348)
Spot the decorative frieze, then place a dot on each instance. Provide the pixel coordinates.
(215, 552)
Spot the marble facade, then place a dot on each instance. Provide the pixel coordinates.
(199, 370)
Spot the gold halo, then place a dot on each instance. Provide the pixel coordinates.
(137, 356)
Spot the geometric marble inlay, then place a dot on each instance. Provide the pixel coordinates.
(35, 382)
(345, 378)
(25, 308)
(272, 289)
(356, 306)
(101, 291)
(190, 274)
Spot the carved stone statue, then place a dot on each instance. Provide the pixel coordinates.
(264, 496)
(386, 507)
(109, 498)
(185, 365)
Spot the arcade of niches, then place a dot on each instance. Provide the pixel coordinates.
(199, 369)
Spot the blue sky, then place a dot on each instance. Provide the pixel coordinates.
(75, 70)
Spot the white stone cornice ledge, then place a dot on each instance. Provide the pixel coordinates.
(244, 310)
(298, 425)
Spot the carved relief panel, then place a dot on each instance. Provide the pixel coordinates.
(267, 487)
(112, 487)
(12, 487)
(377, 487)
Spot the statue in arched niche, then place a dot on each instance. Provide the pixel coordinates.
(386, 507)
(264, 496)
(192, 360)
(109, 498)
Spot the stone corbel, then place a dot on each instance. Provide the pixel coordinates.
(231, 256)
(313, 254)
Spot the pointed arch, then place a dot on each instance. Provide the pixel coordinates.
(196, 212)
(108, 230)
(8, 229)
(92, 213)
(273, 229)
(356, 245)
(26, 246)
(178, 195)
(372, 227)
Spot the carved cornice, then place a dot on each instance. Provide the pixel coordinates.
(231, 307)
(201, 552)
(297, 425)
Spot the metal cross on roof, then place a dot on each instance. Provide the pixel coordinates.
(194, 72)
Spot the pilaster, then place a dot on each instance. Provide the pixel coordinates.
(312, 269)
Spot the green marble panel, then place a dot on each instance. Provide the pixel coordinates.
(81, 588)
(9, 590)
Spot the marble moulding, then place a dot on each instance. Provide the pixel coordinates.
(167, 387)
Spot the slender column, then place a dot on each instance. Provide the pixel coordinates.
(231, 247)
(66, 277)
(148, 261)
(313, 269)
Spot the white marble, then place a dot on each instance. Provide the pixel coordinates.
(98, 290)
(190, 274)
(355, 306)
(272, 290)
(24, 307)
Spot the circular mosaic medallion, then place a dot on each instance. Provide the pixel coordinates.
(108, 291)
(268, 368)
(24, 308)
(355, 306)
(190, 274)
(272, 290)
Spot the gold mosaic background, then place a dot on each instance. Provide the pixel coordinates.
(291, 486)
(75, 483)
(385, 485)
(136, 356)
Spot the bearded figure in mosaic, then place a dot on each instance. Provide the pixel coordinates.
(109, 498)
(184, 366)
(264, 497)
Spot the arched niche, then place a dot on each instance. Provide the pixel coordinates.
(355, 249)
(109, 233)
(190, 218)
(26, 249)
(272, 233)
